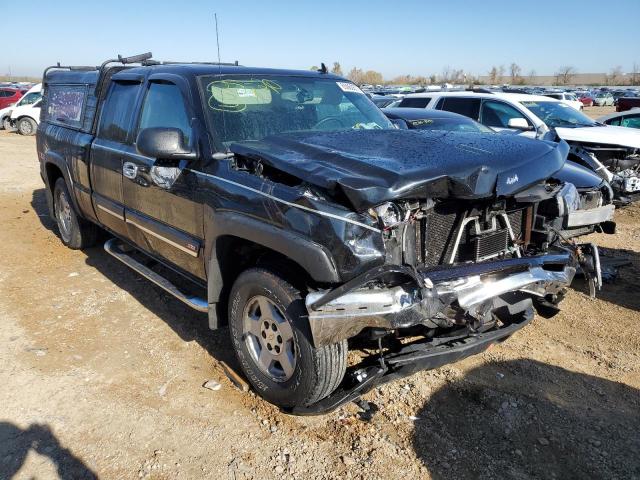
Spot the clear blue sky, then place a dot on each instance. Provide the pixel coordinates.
(393, 37)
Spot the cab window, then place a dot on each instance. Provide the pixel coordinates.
(469, 107)
(30, 98)
(117, 113)
(498, 114)
(164, 107)
(631, 121)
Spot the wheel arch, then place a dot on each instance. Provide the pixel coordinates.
(236, 242)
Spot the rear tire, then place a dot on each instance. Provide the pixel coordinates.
(6, 124)
(271, 337)
(75, 232)
(27, 126)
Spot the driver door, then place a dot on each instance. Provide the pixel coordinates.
(163, 214)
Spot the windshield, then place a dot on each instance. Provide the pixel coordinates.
(448, 124)
(245, 107)
(556, 114)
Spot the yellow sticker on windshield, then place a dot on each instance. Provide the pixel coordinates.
(234, 95)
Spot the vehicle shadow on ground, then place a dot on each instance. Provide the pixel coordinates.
(625, 290)
(16, 443)
(526, 419)
(189, 324)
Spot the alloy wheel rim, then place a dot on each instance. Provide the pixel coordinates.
(63, 213)
(26, 127)
(269, 338)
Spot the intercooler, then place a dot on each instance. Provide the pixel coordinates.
(436, 234)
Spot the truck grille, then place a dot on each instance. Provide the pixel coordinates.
(436, 236)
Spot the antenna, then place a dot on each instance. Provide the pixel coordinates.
(224, 125)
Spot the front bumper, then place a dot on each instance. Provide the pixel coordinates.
(474, 288)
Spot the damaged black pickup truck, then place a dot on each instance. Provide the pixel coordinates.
(307, 218)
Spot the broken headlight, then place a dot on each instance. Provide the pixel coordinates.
(388, 214)
(570, 198)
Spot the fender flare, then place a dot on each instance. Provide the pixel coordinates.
(314, 258)
(52, 158)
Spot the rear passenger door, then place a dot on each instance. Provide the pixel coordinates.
(114, 139)
(163, 214)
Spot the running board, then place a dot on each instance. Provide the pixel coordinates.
(197, 303)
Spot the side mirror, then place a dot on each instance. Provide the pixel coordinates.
(164, 143)
(519, 124)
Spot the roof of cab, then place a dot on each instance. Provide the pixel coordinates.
(189, 69)
(197, 69)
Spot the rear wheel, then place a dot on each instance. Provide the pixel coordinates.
(27, 126)
(75, 232)
(270, 334)
(6, 124)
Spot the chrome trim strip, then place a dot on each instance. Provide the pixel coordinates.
(122, 152)
(290, 204)
(160, 237)
(111, 212)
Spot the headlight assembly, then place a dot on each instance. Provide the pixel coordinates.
(388, 214)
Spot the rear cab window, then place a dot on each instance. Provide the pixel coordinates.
(65, 104)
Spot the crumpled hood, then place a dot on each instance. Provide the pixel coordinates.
(370, 167)
(606, 134)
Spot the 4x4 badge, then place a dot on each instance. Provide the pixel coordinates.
(512, 180)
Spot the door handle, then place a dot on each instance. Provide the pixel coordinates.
(130, 170)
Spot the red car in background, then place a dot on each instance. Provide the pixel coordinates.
(586, 100)
(10, 95)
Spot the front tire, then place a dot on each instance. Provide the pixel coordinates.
(6, 124)
(27, 126)
(270, 335)
(75, 232)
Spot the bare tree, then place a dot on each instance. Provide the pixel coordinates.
(493, 75)
(565, 74)
(337, 69)
(532, 76)
(614, 75)
(500, 73)
(515, 70)
(635, 74)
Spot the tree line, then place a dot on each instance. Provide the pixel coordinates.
(498, 74)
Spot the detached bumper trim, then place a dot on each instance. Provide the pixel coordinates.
(593, 216)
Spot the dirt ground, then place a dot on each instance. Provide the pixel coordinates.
(101, 375)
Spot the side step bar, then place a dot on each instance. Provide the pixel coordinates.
(197, 303)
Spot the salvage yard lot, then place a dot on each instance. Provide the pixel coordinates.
(102, 375)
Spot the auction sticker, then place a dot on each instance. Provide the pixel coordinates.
(349, 87)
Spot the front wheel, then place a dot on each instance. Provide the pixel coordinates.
(27, 126)
(270, 335)
(6, 124)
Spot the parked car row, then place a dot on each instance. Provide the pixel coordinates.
(24, 114)
(612, 152)
(303, 217)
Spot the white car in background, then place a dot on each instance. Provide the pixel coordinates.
(566, 97)
(611, 152)
(25, 114)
